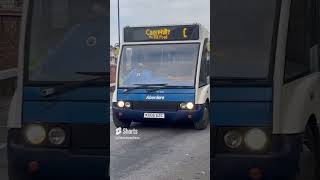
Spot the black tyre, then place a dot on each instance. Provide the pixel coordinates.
(204, 121)
(119, 123)
(311, 153)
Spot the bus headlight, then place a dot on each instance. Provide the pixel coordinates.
(127, 104)
(190, 105)
(120, 104)
(183, 105)
(255, 139)
(57, 136)
(35, 134)
(233, 139)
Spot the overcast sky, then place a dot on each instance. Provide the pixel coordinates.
(155, 12)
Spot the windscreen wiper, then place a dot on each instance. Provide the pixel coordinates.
(146, 86)
(156, 88)
(48, 92)
(162, 84)
(94, 73)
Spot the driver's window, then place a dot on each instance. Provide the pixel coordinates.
(204, 63)
(298, 41)
(208, 59)
(59, 14)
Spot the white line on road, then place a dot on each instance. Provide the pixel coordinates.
(2, 146)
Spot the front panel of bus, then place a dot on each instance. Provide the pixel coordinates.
(241, 109)
(65, 91)
(155, 79)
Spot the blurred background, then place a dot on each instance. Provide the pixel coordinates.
(10, 17)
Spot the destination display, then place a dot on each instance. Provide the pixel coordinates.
(161, 33)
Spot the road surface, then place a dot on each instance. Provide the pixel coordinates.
(163, 152)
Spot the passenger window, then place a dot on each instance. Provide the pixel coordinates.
(298, 41)
(204, 67)
(208, 59)
(313, 6)
(314, 29)
(317, 19)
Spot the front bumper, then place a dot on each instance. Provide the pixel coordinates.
(280, 164)
(137, 115)
(57, 163)
(273, 166)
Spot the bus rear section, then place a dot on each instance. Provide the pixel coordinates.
(264, 109)
(162, 76)
(58, 126)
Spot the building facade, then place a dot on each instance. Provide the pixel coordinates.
(10, 18)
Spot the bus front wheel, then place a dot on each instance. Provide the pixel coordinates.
(311, 153)
(122, 124)
(204, 121)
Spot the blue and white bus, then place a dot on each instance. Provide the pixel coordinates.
(58, 119)
(265, 89)
(163, 76)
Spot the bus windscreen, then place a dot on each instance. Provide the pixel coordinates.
(161, 33)
(243, 35)
(64, 38)
(171, 64)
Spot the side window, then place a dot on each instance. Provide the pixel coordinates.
(314, 37)
(204, 67)
(208, 59)
(298, 41)
(317, 32)
(313, 8)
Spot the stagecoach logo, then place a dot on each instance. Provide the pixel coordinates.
(149, 97)
(91, 41)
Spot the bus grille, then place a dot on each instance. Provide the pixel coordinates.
(142, 105)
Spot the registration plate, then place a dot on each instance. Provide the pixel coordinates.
(154, 115)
